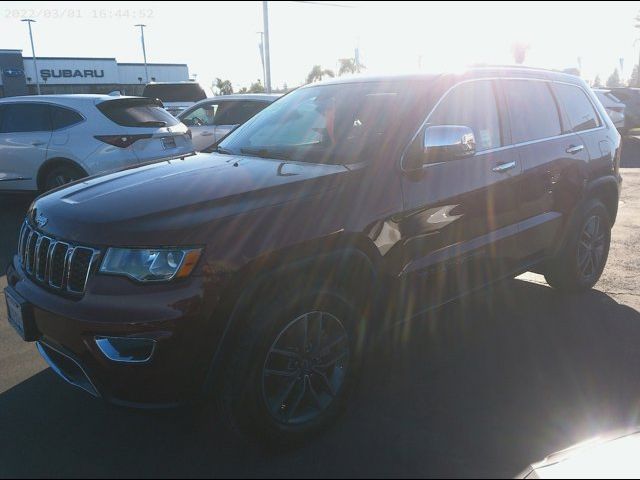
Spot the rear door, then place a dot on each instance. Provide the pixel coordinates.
(461, 214)
(549, 152)
(233, 113)
(25, 132)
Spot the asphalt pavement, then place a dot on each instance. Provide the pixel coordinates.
(479, 388)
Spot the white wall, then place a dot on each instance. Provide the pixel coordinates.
(129, 74)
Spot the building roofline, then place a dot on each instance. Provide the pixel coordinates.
(69, 58)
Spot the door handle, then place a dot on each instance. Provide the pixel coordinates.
(504, 167)
(573, 149)
(206, 134)
(37, 144)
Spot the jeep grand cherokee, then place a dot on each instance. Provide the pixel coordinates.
(253, 275)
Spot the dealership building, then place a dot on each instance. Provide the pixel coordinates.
(80, 75)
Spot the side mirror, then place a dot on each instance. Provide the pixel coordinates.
(447, 142)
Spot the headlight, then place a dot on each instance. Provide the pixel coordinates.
(151, 264)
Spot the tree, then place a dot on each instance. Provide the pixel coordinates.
(256, 87)
(317, 72)
(633, 80)
(519, 51)
(614, 79)
(597, 83)
(349, 65)
(223, 87)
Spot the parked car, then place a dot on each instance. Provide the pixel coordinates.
(176, 96)
(613, 106)
(613, 456)
(258, 273)
(631, 99)
(212, 119)
(48, 141)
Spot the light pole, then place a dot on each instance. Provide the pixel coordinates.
(33, 53)
(261, 48)
(144, 50)
(267, 57)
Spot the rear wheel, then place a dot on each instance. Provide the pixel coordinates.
(61, 175)
(580, 263)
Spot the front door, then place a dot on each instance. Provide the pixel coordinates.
(461, 215)
(202, 124)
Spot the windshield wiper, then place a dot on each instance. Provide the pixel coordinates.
(265, 153)
(217, 149)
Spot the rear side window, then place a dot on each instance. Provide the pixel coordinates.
(25, 117)
(472, 105)
(175, 92)
(137, 112)
(533, 110)
(235, 113)
(64, 117)
(578, 108)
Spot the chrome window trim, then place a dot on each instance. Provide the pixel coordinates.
(602, 126)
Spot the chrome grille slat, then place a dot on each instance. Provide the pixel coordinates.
(52, 262)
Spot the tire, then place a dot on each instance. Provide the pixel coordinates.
(580, 263)
(61, 175)
(262, 397)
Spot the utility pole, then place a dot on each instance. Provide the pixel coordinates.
(33, 53)
(261, 48)
(144, 50)
(267, 56)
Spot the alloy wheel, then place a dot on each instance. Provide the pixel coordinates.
(305, 368)
(591, 248)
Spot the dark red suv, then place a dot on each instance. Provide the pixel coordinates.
(254, 274)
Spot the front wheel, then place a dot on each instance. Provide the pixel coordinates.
(293, 370)
(580, 263)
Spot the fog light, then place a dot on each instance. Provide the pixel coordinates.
(126, 350)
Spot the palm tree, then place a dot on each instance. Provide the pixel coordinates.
(223, 87)
(317, 72)
(349, 65)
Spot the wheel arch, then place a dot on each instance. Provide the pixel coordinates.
(351, 264)
(51, 163)
(607, 190)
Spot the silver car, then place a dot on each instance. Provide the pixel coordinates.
(212, 119)
(612, 104)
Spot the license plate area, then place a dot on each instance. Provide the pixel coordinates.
(20, 316)
(168, 143)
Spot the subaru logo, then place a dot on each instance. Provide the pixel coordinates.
(13, 72)
(41, 220)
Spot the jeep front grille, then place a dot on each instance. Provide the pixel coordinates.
(59, 265)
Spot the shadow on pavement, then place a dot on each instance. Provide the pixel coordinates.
(480, 388)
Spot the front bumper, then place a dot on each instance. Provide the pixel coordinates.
(176, 317)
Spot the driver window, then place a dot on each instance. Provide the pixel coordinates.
(201, 117)
(472, 105)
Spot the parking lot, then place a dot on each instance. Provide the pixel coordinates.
(481, 388)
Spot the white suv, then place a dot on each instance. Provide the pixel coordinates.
(47, 141)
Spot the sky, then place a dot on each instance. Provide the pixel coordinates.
(220, 39)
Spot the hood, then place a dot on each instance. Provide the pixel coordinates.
(165, 202)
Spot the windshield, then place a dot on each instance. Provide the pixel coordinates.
(175, 92)
(341, 123)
